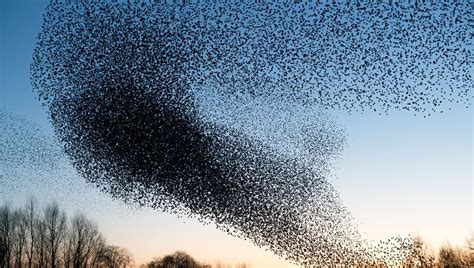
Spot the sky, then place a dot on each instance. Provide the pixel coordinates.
(399, 173)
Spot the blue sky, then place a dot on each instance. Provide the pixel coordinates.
(399, 173)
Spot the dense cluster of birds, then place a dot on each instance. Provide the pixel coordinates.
(201, 109)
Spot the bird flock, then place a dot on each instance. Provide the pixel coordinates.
(25, 150)
(208, 109)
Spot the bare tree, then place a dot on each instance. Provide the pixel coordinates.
(470, 250)
(97, 248)
(177, 259)
(95, 244)
(29, 238)
(40, 244)
(30, 217)
(67, 250)
(6, 235)
(449, 257)
(55, 231)
(83, 240)
(115, 257)
(19, 236)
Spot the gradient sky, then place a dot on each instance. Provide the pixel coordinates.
(399, 174)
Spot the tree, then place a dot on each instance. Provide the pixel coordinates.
(6, 235)
(30, 218)
(19, 236)
(99, 247)
(114, 257)
(176, 260)
(29, 238)
(40, 243)
(67, 250)
(470, 251)
(84, 240)
(55, 231)
(449, 257)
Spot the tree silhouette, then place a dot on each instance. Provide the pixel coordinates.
(6, 235)
(178, 259)
(83, 238)
(40, 243)
(30, 218)
(33, 238)
(451, 257)
(56, 228)
(19, 236)
(114, 257)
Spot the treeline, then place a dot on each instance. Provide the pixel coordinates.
(31, 236)
(446, 256)
(422, 256)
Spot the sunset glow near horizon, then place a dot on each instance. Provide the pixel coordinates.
(399, 174)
